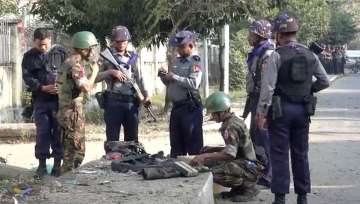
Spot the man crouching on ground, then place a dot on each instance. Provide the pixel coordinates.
(235, 164)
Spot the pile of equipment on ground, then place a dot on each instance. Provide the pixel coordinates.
(131, 156)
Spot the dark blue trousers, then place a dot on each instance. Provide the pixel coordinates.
(47, 130)
(290, 132)
(117, 114)
(260, 138)
(186, 134)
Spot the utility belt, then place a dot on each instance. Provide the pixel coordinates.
(182, 103)
(251, 102)
(104, 96)
(309, 102)
(121, 97)
(187, 102)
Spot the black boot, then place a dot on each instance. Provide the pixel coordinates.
(279, 198)
(41, 170)
(301, 199)
(56, 168)
(234, 191)
(248, 194)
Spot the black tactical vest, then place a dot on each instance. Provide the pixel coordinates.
(295, 73)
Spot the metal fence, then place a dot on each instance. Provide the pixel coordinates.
(5, 42)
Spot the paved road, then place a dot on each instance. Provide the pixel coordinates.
(334, 146)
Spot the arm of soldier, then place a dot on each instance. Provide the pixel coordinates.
(29, 80)
(105, 72)
(191, 82)
(269, 75)
(209, 149)
(228, 153)
(322, 80)
(78, 74)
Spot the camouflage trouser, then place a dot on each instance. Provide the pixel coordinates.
(234, 174)
(72, 127)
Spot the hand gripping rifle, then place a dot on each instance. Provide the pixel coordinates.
(107, 55)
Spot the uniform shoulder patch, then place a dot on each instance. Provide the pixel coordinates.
(197, 68)
(196, 58)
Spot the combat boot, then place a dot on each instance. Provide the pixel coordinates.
(301, 199)
(234, 191)
(56, 168)
(41, 169)
(77, 162)
(247, 195)
(279, 198)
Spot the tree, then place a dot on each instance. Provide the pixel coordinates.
(314, 17)
(342, 28)
(239, 48)
(8, 6)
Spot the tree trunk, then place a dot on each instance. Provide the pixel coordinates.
(221, 64)
(224, 59)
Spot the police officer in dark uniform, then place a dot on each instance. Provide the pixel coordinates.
(183, 81)
(287, 90)
(40, 68)
(257, 61)
(121, 105)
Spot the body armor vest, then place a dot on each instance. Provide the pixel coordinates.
(295, 73)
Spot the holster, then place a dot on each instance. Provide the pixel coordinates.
(101, 99)
(310, 104)
(247, 108)
(194, 98)
(276, 107)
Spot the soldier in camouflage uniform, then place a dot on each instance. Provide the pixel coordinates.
(76, 79)
(234, 165)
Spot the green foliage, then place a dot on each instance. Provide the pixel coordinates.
(314, 17)
(8, 6)
(342, 28)
(239, 48)
(150, 22)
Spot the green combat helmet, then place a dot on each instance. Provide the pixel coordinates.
(83, 40)
(217, 102)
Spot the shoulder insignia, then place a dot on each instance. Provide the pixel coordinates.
(196, 68)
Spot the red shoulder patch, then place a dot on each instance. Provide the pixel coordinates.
(197, 68)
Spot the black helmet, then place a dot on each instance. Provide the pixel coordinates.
(285, 24)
